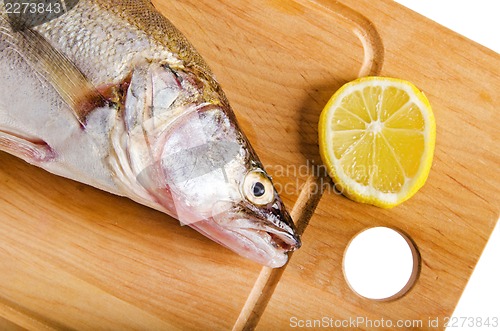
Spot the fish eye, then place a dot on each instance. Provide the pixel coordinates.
(258, 188)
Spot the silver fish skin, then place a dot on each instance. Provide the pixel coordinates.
(112, 95)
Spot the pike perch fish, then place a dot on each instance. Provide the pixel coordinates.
(111, 94)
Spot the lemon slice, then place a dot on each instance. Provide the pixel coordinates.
(376, 137)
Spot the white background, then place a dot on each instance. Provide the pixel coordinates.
(478, 20)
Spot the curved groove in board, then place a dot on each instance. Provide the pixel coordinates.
(366, 32)
(268, 278)
(310, 196)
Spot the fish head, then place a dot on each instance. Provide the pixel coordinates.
(255, 224)
(190, 156)
(220, 188)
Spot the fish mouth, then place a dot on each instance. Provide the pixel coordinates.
(265, 244)
(280, 240)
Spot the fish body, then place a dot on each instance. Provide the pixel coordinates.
(111, 94)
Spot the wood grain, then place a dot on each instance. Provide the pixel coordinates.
(73, 257)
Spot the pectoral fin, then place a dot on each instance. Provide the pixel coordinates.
(70, 83)
(66, 78)
(31, 150)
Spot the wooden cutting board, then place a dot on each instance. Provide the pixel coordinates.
(73, 257)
